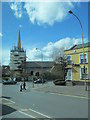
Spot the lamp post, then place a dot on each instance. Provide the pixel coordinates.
(82, 46)
(42, 61)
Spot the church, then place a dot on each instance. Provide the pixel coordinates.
(18, 57)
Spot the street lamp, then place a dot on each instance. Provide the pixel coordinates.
(82, 45)
(41, 60)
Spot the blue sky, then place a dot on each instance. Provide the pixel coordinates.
(46, 26)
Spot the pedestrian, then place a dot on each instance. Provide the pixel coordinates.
(21, 87)
(24, 85)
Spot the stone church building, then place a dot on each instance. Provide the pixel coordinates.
(18, 57)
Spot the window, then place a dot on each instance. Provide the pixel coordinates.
(84, 75)
(69, 61)
(16, 55)
(82, 58)
(68, 58)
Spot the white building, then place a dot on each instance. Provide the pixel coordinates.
(17, 56)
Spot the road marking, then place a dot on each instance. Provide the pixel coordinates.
(24, 109)
(8, 103)
(40, 113)
(70, 95)
(35, 112)
(63, 94)
(8, 100)
(27, 114)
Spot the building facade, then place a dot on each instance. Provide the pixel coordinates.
(75, 63)
(38, 66)
(17, 56)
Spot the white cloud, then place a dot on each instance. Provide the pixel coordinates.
(50, 51)
(5, 57)
(0, 34)
(33, 54)
(53, 49)
(47, 12)
(42, 12)
(17, 8)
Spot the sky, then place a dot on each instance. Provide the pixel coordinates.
(44, 25)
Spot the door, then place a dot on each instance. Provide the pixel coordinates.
(69, 74)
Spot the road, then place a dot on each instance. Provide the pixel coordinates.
(39, 104)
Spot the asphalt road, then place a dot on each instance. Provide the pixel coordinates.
(39, 104)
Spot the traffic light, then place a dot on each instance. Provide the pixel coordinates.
(31, 72)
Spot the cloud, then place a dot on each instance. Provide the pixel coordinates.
(33, 54)
(50, 51)
(42, 12)
(53, 49)
(0, 34)
(47, 12)
(5, 57)
(17, 8)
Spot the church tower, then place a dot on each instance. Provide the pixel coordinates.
(17, 55)
(19, 41)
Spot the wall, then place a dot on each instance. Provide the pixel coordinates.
(75, 56)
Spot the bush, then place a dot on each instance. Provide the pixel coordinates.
(51, 76)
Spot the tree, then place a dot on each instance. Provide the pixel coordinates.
(59, 65)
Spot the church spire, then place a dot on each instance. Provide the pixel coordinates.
(19, 41)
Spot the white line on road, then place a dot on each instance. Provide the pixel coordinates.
(82, 97)
(35, 112)
(27, 114)
(70, 95)
(26, 110)
(8, 100)
(40, 113)
(8, 103)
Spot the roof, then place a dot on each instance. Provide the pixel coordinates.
(79, 46)
(39, 64)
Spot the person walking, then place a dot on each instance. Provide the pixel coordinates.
(24, 85)
(20, 87)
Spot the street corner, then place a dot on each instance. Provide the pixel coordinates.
(7, 109)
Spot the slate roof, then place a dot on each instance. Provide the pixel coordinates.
(38, 64)
(79, 46)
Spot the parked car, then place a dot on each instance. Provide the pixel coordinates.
(59, 82)
(18, 79)
(9, 82)
(39, 81)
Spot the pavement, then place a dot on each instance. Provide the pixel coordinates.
(77, 90)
